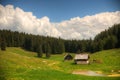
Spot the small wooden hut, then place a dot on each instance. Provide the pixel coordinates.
(81, 59)
(68, 57)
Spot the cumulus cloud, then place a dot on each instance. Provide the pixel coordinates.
(16, 19)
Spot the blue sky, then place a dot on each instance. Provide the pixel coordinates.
(60, 10)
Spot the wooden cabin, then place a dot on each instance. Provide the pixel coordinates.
(81, 59)
(68, 57)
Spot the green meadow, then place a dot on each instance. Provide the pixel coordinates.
(18, 64)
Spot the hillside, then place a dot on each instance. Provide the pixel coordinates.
(18, 64)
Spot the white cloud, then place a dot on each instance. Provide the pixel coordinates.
(76, 28)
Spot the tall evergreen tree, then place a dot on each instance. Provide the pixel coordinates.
(100, 45)
(47, 50)
(39, 51)
(110, 42)
(61, 47)
(3, 44)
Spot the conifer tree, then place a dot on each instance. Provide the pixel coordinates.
(3, 45)
(39, 51)
(48, 51)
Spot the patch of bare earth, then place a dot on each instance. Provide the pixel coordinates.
(89, 73)
(94, 73)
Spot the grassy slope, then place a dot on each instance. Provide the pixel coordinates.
(109, 60)
(17, 64)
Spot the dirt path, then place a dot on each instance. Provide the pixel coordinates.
(88, 73)
(94, 73)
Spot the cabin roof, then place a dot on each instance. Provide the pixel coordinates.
(81, 56)
(67, 55)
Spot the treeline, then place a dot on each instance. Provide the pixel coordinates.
(35, 43)
(107, 39)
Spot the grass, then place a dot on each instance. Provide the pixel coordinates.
(109, 60)
(18, 64)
